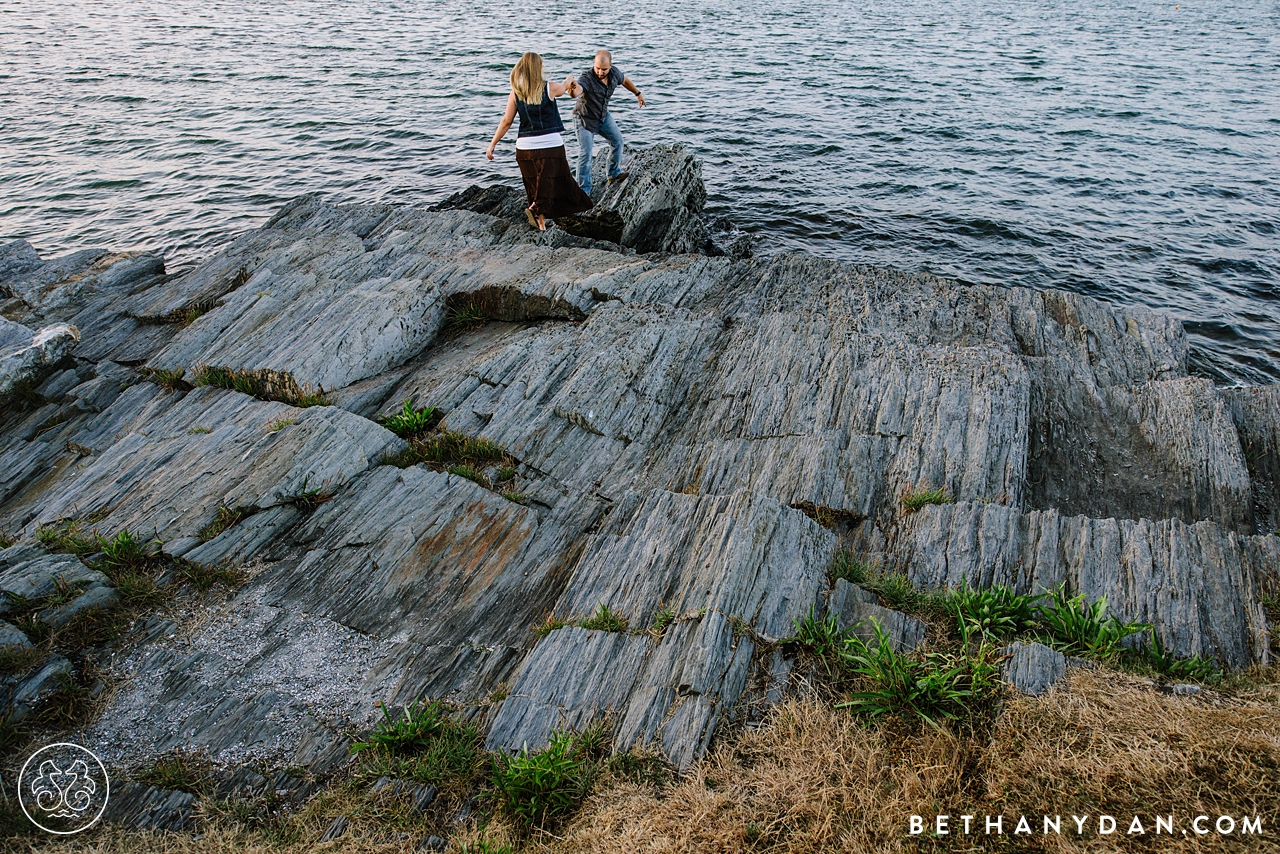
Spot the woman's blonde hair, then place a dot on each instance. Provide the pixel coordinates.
(526, 78)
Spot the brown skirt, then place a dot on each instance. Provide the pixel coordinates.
(549, 186)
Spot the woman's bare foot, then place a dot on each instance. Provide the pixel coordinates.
(542, 223)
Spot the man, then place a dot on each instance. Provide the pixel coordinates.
(595, 88)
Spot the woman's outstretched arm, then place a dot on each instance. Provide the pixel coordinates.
(503, 126)
(557, 89)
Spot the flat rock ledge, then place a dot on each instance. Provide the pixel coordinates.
(675, 425)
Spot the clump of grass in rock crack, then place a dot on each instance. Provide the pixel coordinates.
(203, 576)
(65, 537)
(915, 497)
(550, 624)
(661, 621)
(6, 539)
(540, 789)
(1071, 626)
(894, 588)
(463, 317)
(463, 455)
(281, 423)
(423, 743)
(167, 379)
(197, 430)
(996, 612)
(255, 385)
(225, 517)
(410, 422)
(604, 620)
(178, 772)
(314, 496)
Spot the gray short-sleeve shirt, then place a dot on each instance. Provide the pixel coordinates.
(595, 96)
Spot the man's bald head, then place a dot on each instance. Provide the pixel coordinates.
(603, 62)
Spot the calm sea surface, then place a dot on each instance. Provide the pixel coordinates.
(1126, 150)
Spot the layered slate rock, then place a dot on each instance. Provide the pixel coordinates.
(166, 478)
(1196, 583)
(730, 570)
(676, 423)
(25, 354)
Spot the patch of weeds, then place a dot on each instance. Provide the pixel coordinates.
(167, 379)
(422, 744)
(281, 423)
(6, 539)
(1167, 664)
(827, 517)
(262, 385)
(823, 638)
(196, 431)
(70, 705)
(958, 687)
(900, 593)
(65, 538)
(741, 628)
(226, 517)
(604, 620)
(550, 624)
(661, 621)
(845, 565)
(506, 473)
(514, 497)
(125, 552)
(410, 422)
(1071, 626)
(484, 846)
(640, 768)
(996, 612)
(463, 317)
(204, 576)
(915, 497)
(469, 473)
(36, 629)
(539, 789)
(178, 772)
(499, 694)
(12, 735)
(15, 660)
(311, 497)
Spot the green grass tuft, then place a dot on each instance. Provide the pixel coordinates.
(282, 388)
(539, 789)
(178, 773)
(410, 422)
(168, 379)
(996, 612)
(604, 620)
(422, 744)
(661, 621)
(461, 318)
(915, 497)
(226, 517)
(1071, 626)
(550, 624)
(65, 538)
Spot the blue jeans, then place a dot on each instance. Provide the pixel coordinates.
(586, 139)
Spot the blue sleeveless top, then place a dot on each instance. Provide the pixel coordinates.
(539, 119)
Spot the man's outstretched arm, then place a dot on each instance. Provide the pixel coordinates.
(631, 87)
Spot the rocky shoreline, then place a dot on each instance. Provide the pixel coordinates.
(664, 429)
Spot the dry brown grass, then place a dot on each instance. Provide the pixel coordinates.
(815, 780)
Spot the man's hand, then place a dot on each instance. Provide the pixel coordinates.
(640, 99)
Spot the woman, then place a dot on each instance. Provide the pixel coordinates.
(548, 182)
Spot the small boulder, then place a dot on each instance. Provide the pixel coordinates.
(856, 608)
(1032, 667)
(95, 597)
(11, 637)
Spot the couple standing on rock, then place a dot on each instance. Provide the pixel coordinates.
(548, 184)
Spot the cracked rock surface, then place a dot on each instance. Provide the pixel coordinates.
(673, 428)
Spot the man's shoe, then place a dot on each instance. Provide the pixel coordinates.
(619, 177)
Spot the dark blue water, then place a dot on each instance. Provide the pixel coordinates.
(1126, 150)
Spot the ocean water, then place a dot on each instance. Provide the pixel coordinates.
(1125, 150)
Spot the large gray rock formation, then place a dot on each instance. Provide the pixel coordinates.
(676, 423)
